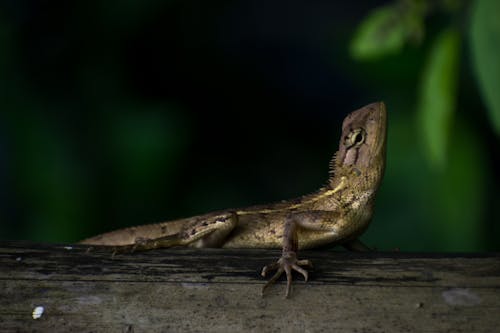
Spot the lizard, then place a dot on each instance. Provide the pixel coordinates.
(337, 214)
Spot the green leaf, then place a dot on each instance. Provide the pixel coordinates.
(379, 34)
(484, 35)
(438, 90)
(386, 30)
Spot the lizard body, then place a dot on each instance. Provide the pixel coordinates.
(336, 214)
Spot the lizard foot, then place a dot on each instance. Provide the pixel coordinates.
(139, 244)
(286, 263)
(144, 244)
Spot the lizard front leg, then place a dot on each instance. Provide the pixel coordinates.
(321, 221)
(204, 231)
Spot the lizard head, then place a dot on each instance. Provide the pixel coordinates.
(363, 140)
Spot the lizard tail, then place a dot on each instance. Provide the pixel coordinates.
(133, 235)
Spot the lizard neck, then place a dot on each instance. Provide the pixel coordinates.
(349, 188)
(357, 178)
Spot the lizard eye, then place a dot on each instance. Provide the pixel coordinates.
(356, 137)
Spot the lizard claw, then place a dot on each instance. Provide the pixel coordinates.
(286, 263)
(121, 249)
(124, 249)
(139, 244)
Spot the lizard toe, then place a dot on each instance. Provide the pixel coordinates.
(287, 263)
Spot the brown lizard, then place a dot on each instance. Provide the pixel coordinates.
(336, 214)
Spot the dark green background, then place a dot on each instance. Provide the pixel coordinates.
(118, 113)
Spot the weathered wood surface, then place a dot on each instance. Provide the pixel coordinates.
(219, 291)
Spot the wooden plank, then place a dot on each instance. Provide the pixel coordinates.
(217, 290)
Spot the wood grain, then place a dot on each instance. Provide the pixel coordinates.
(215, 290)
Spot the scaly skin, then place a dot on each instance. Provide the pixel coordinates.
(336, 214)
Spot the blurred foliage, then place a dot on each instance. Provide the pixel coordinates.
(122, 113)
(438, 92)
(458, 170)
(386, 30)
(485, 47)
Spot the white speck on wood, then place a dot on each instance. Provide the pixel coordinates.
(37, 312)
